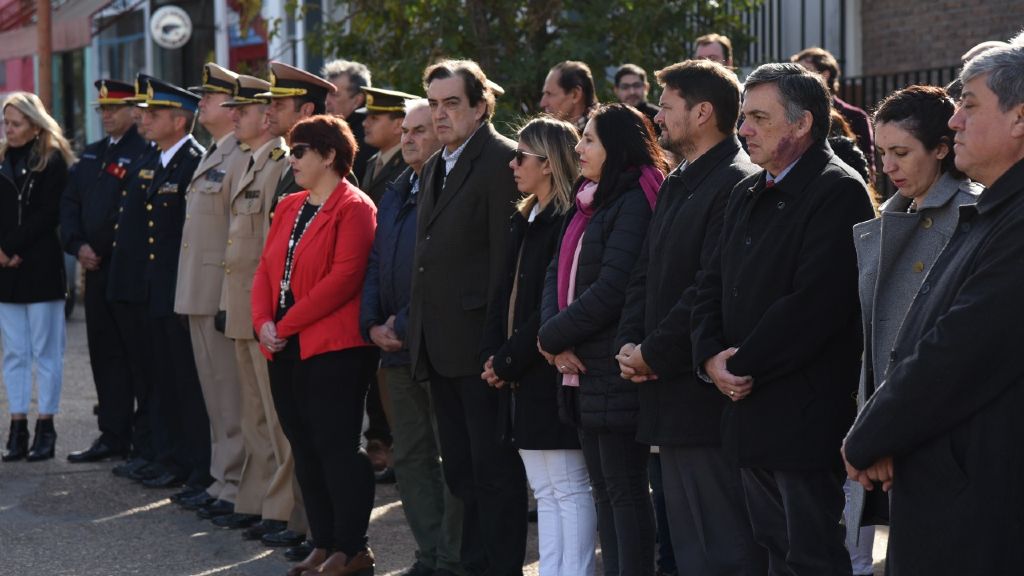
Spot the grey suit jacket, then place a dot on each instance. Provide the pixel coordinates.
(460, 254)
(895, 252)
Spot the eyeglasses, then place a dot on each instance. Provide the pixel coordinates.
(522, 154)
(631, 86)
(299, 150)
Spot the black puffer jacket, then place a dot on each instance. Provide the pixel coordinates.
(610, 246)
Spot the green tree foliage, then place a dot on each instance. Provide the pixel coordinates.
(516, 42)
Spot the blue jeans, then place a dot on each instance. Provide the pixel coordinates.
(33, 334)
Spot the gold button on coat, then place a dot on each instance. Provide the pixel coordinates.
(918, 266)
(926, 222)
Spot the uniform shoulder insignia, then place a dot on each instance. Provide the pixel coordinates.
(244, 147)
(277, 154)
(194, 152)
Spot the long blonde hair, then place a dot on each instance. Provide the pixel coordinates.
(555, 139)
(51, 137)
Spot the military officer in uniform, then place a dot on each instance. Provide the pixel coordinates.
(266, 492)
(167, 117)
(294, 95)
(385, 110)
(200, 278)
(129, 301)
(88, 213)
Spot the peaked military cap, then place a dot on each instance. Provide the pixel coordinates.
(380, 101)
(141, 87)
(247, 90)
(216, 79)
(164, 94)
(114, 92)
(290, 82)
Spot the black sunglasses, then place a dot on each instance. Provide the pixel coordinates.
(299, 150)
(522, 154)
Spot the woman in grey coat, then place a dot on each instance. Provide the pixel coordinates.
(896, 251)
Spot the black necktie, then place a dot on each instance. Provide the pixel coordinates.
(211, 150)
(251, 162)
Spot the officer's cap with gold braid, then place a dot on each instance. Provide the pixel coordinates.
(290, 82)
(246, 90)
(163, 94)
(114, 93)
(216, 80)
(380, 101)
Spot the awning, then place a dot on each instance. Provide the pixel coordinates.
(71, 25)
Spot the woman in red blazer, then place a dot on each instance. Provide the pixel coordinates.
(305, 307)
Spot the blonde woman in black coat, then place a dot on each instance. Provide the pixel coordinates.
(33, 174)
(544, 168)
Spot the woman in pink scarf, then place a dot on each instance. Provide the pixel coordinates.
(622, 168)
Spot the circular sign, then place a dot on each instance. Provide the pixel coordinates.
(171, 27)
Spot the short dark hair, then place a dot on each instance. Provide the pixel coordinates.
(801, 90)
(574, 74)
(319, 105)
(627, 136)
(627, 69)
(474, 79)
(325, 133)
(824, 61)
(706, 81)
(924, 111)
(719, 39)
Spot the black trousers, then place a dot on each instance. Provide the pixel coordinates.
(711, 532)
(795, 515)
(486, 475)
(625, 520)
(133, 330)
(180, 422)
(108, 356)
(665, 558)
(320, 403)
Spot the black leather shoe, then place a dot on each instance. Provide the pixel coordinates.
(418, 569)
(236, 521)
(262, 528)
(44, 443)
(283, 538)
(165, 480)
(185, 494)
(99, 451)
(17, 442)
(125, 468)
(198, 501)
(215, 509)
(147, 472)
(299, 552)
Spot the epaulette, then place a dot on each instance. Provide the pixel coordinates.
(244, 147)
(277, 153)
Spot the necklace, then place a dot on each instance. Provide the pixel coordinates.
(293, 242)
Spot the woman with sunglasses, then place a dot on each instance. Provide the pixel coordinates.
(305, 306)
(622, 168)
(544, 168)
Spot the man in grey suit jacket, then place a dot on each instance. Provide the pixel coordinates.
(466, 201)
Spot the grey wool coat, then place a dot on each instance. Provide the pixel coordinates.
(895, 252)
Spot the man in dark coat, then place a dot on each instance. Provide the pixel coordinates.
(466, 200)
(348, 100)
(944, 428)
(88, 215)
(167, 117)
(776, 321)
(631, 88)
(679, 412)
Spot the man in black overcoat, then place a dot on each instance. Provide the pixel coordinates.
(776, 321)
(944, 429)
(680, 413)
(466, 200)
(88, 213)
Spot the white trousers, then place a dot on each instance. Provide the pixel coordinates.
(33, 334)
(566, 514)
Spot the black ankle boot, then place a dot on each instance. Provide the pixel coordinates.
(44, 442)
(17, 441)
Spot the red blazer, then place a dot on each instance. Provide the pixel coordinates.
(327, 277)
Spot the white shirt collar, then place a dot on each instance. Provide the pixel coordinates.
(782, 174)
(166, 155)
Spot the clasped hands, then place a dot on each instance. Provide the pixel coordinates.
(735, 387)
(88, 258)
(632, 365)
(269, 339)
(9, 261)
(385, 337)
(881, 471)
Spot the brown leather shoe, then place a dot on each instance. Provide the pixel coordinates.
(309, 565)
(338, 564)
